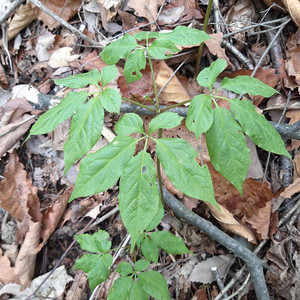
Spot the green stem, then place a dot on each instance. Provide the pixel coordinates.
(139, 104)
(159, 173)
(175, 105)
(220, 97)
(197, 67)
(153, 80)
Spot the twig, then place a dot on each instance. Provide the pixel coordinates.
(218, 280)
(64, 23)
(254, 264)
(225, 43)
(10, 10)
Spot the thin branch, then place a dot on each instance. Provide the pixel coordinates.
(64, 23)
(254, 264)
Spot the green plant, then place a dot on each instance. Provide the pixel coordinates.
(140, 197)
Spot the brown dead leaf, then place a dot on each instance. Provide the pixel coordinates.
(229, 223)
(292, 189)
(52, 216)
(65, 9)
(108, 10)
(7, 273)
(24, 16)
(174, 90)
(200, 294)
(214, 46)
(14, 122)
(293, 7)
(145, 8)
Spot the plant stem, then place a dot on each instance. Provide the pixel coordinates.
(159, 173)
(154, 84)
(197, 67)
(139, 104)
(175, 105)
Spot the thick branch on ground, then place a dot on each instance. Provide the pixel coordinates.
(254, 264)
(287, 131)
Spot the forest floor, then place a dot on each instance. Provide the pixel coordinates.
(37, 222)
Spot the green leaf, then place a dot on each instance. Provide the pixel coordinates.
(162, 49)
(157, 218)
(63, 111)
(137, 293)
(164, 120)
(185, 36)
(129, 123)
(143, 35)
(135, 62)
(100, 271)
(169, 242)
(108, 74)
(96, 266)
(80, 80)
(260, 131)
(97, 242)
(154, 284)
(121, 289)
(124, 268)
(85, 131)
(141, 265)
(138, 197)
(118, 49)
(100, 170)
(208, 76)
(111, 100)
(87, 262)
(227, 148)
(247, 84)
(177, 157)
(200, 116)
(150, 250)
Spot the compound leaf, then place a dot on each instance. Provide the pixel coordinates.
(124, 268)
(162, 49)
(63, 111)
(129, 123)
(80, 80)
(157, 218)
(138, 197)
(207, 77)
(97, 242)
(169, 242)
(85, 131)
(164, 120)
(137, 292)
(118, 49)
(143, 35)
(111, 100)
(227, 148)
(200, 116)
(141, 265)
(246, 84)
(100, 170)
(100, 270)
(185, 36)
(121, 289)
(260, 131)
(108, 74)
(135, 62)
(154, 284)
(150, 249)
(87, 262)
(177, 157)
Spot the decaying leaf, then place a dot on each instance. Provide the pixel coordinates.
(293, 7)
(145, 8)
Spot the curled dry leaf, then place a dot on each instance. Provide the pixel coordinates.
(229, 223)
(24, 15)
(293, 7)
(145, 8)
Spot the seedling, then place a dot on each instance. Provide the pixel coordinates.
(140, 197)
